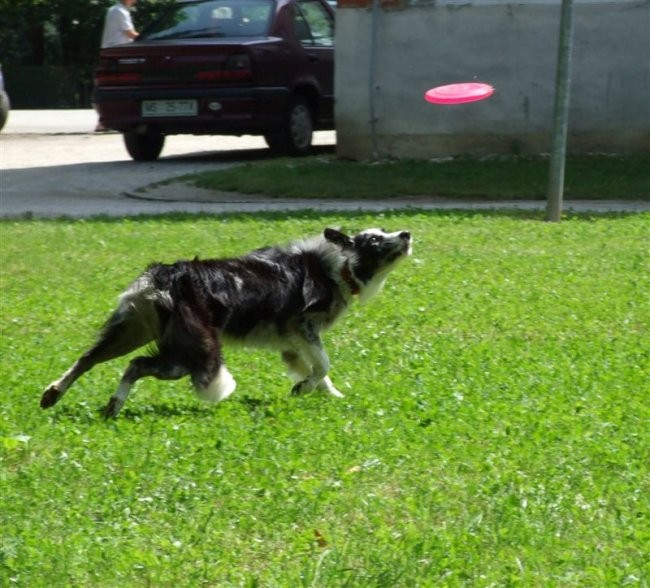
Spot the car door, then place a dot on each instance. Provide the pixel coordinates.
(314, 28)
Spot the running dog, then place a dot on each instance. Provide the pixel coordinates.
(276, 297)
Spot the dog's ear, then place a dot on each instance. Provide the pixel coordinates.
(338, 238)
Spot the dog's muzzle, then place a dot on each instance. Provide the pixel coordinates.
(405, 238)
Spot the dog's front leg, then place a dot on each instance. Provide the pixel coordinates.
(299, 370)
(312, 354)
(320, 366)
(327, 385)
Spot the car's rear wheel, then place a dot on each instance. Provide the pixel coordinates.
(295, 136)
(144, 146)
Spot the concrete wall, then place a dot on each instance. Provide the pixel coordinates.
(511, 45)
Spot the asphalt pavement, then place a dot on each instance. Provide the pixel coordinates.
(93, 175)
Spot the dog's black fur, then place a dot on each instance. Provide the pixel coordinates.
(278, 297)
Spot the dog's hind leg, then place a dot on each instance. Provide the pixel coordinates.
(188, 346)
(157, 366)
(218, 388)
(212, 380)
(131, 326)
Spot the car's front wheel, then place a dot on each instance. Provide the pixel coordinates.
(144, 146)
(295, 136)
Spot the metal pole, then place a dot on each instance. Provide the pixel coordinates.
(555, 188)
(372, 71)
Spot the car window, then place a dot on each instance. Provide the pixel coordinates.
(211, 18)
(314, 25)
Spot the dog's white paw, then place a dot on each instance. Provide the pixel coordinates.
(326, 384)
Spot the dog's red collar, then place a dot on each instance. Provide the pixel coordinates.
(348, 278)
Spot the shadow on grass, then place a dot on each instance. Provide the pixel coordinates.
(163, 411)
(87, 413)
(84, 413)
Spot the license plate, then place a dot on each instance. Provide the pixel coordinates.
(170, 108)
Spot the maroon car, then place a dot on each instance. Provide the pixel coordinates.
(223, 67)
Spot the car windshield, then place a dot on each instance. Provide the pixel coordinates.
(211, 18)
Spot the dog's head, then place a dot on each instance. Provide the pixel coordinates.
(371, 255)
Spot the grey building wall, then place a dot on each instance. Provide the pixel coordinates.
(511, 45)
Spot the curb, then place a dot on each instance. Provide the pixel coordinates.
(179, 193)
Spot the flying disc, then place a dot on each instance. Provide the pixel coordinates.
(459, 93)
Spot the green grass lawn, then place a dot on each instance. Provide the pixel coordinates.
(494, 430)
(587, 177)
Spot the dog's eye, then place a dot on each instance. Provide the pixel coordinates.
(374, 240)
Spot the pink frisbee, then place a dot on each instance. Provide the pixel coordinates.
(459, 93)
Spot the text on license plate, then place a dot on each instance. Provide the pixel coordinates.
(169, 108)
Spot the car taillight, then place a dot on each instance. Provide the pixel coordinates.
(235, 68)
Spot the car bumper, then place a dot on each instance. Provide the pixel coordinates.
(235, 111)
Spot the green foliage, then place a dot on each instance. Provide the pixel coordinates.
(494, 430)
(60, 32)
(596, 177)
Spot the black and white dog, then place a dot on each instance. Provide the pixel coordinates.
(277, 297)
